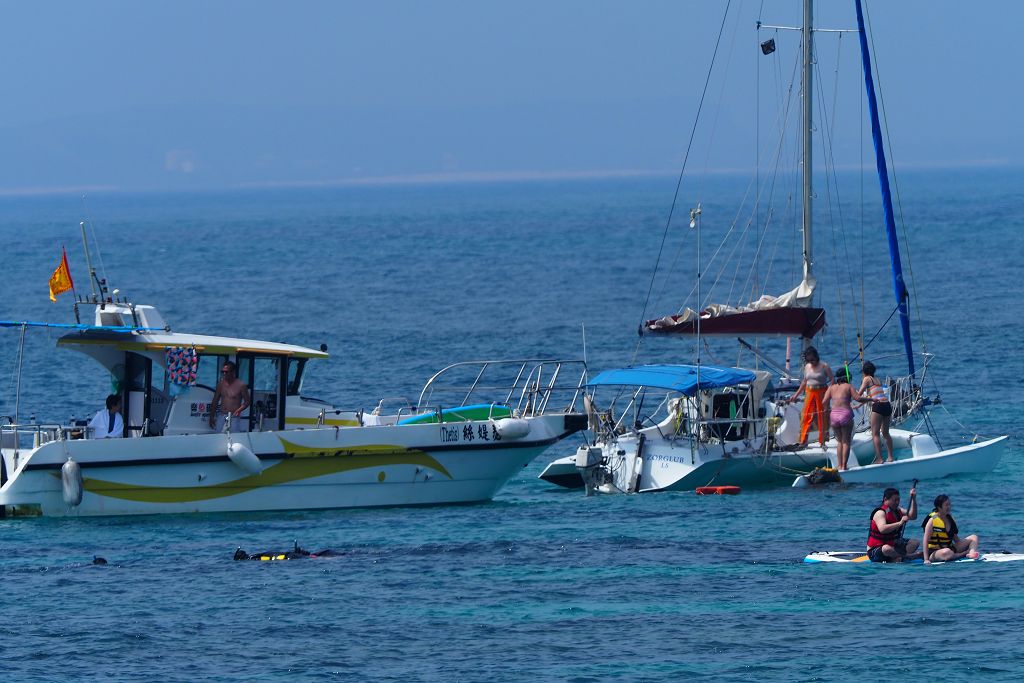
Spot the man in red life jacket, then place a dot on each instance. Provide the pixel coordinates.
(885, 537)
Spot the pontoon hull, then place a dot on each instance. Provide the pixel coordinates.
(918, 458)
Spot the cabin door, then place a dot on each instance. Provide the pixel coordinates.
(138, 377)
(266, 378)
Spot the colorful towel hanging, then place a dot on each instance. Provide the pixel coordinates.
(182, 367)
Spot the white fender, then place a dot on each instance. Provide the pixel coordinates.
(71, 482)
(244, 458)
(512, 427)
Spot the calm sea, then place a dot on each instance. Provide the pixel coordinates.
(542, 583)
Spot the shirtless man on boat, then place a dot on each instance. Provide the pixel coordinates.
(231, 395)
(885, 536)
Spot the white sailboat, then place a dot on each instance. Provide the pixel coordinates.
(289, 452)
(739, 432)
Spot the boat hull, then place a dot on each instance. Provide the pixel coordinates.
(301, 469)
(671, 467)
(919, 462)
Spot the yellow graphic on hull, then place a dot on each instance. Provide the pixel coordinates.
(303, 463)
(313, 421)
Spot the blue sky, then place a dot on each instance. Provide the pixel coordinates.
(157, 96)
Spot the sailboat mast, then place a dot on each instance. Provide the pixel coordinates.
(807, 122)
(898, 285)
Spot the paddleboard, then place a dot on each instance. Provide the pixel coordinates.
(860, 557)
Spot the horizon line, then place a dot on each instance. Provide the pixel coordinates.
(455, 177)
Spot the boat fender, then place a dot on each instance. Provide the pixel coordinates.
(244, 458)
(71, 482)
(512, 427)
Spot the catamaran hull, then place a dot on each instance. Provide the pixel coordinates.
(301, 469)
(918, 458)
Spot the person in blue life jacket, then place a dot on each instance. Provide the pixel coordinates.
(941, 541)
(885, 535)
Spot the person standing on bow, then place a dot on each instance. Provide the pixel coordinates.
(941, 542)
(816, 377)
(881, 412)
(885, 535)
(231, 397)
(836, 403)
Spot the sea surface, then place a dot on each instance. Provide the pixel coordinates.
(541, 583)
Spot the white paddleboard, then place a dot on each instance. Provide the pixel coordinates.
(861, 557)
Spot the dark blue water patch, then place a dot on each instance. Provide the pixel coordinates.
(541, 583)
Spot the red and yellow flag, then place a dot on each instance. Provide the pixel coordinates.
(60, 281)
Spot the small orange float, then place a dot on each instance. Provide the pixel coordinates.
(717, 490)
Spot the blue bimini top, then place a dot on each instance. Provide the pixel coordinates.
(681, 378)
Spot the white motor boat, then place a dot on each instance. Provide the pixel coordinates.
(291, 452)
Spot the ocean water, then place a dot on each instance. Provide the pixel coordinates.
(541, 583)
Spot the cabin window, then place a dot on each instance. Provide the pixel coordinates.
(208, 373)
(265, 386)
(295, 368)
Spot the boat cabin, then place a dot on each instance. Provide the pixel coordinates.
(166, 379)
(713, 403)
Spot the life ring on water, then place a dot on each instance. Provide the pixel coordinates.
(717, 490)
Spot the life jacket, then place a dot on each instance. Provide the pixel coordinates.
(941, 536)
(875, 537)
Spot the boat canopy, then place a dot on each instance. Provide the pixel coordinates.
(681, 378)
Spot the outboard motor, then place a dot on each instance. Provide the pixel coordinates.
(590, 463)
(71, 482)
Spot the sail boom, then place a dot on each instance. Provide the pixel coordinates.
(787, 321)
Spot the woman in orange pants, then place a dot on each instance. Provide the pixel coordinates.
(817, 376)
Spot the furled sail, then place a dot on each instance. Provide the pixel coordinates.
(788, 314)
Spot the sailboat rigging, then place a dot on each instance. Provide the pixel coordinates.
(722, 425)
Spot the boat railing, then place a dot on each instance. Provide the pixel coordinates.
(530, 387)
(905, 396)
(15, 436)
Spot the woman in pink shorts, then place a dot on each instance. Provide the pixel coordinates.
(837, 406)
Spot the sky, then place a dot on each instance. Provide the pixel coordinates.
(209, 95)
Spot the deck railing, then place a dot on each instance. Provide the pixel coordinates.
(530, 387)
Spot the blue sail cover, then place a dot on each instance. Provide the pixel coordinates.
(681, 378)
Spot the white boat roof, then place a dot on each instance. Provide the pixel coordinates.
(126, 327)
(134, 340)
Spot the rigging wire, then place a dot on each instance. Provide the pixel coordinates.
(718, 107)
(896, 185)
(682, 171)
(782, 117)
(832, 180)
(863, 264)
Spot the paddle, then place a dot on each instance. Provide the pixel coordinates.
(903, 528)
